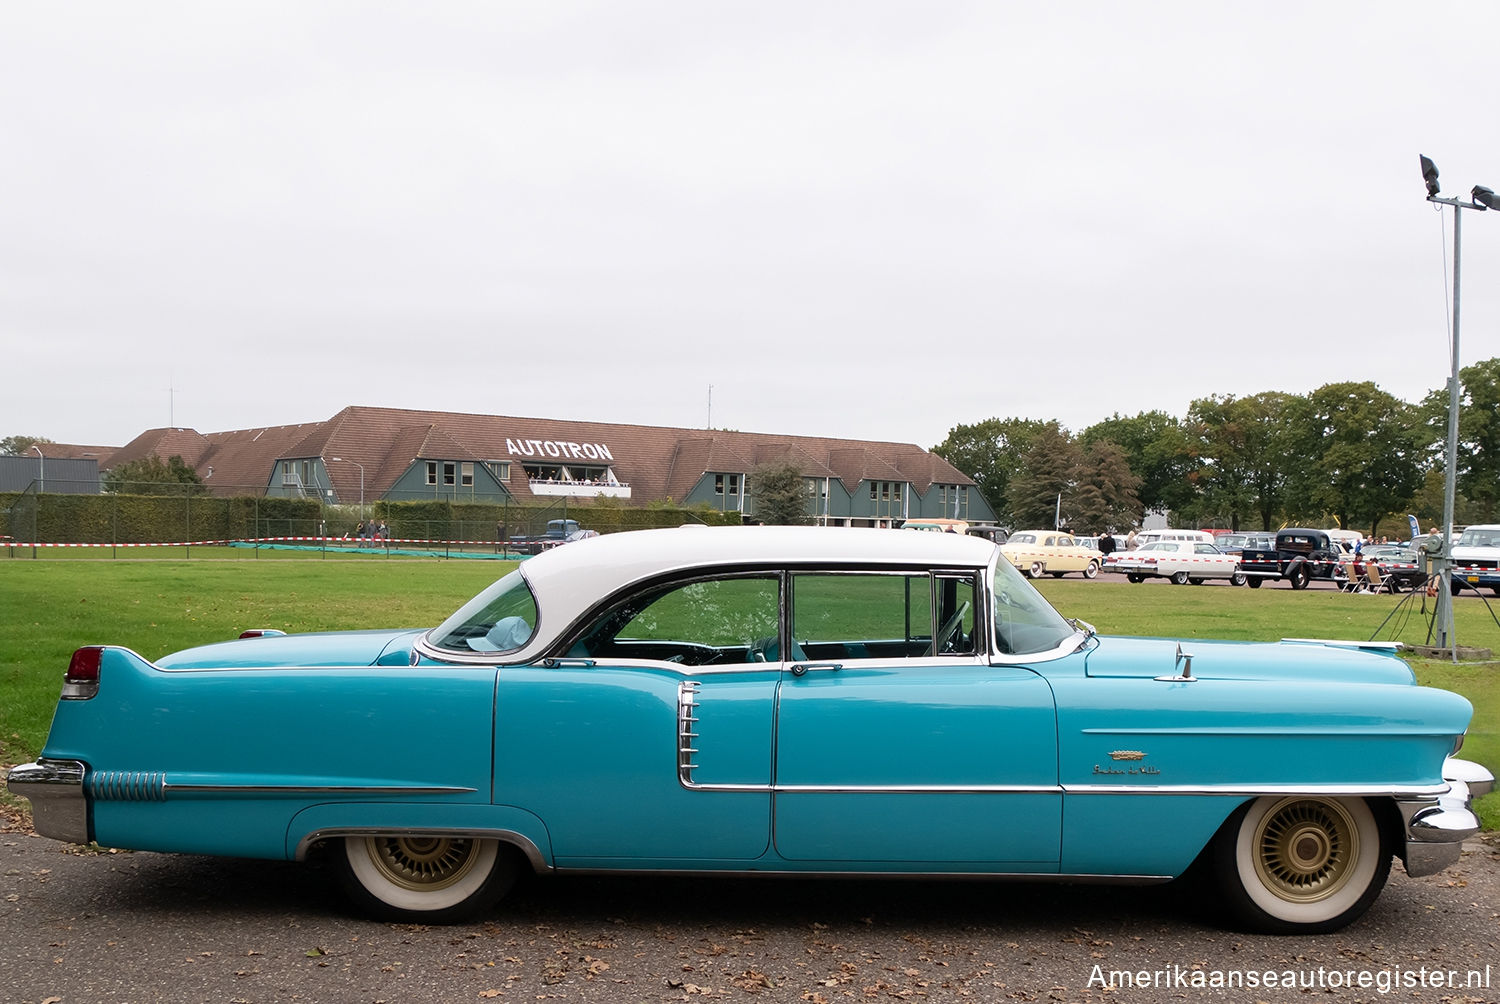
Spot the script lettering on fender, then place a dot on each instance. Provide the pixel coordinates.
(1126, 770)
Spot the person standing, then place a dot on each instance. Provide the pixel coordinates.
(1106, 544)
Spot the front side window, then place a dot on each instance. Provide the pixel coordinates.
(882, 616)
(500, 619)
(1025, 623)
(717, 621)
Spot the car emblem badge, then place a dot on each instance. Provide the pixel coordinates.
(1127, 755)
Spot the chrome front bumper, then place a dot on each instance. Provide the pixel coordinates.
(1437, 827)
(58, 807)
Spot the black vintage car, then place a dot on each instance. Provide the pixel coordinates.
(1300, 555)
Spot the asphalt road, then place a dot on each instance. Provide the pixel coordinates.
(78, 927)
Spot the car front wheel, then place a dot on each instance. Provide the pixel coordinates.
(1237, 578)
(1298, 577)
(1179, 578)
(428, 879)
(1090, 570)
(1301, 864)
(1132, 577)
(1037, 570)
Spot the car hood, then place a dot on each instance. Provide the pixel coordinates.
(331, 648)
(1219, 660)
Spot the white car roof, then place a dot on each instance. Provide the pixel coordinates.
(570, 580)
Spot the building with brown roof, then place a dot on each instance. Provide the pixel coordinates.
(363, 454)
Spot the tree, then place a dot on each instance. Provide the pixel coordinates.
(1245, 455)
(14, 446)
(1048, 470)
(1157, 451)
(1104, 492)
(1478, 473)
(780, 493)
(990, 452)
(1362, 451)
(151, 476)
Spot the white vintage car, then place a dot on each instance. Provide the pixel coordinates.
(1051, 552)
(1182, 561)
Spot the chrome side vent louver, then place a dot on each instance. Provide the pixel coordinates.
(128, 786)
(687, 730)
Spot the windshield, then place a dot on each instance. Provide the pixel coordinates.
(500, 619)
(1025, 623)
(1480, 536)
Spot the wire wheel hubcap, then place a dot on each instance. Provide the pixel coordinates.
(1306, 849)
(424, 863)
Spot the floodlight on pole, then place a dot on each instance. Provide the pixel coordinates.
(1480, 198)
(41, 474)
(361, 467)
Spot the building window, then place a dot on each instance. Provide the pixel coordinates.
(499, 468)
(448, 473)
(432, 472)
(287, 477)
(726, 483)
(466, 474)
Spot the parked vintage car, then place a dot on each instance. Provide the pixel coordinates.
(1476, 558)
(1399, 567)
(1182, 561)
(1051, 552)
(788, 700)
(1299, 556)
(1235, 542)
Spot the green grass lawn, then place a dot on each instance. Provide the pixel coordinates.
(50, 607)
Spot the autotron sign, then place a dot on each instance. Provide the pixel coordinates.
(560, 449)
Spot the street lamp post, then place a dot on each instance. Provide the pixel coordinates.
(1480, 198)
(41, 474)
(361, 467)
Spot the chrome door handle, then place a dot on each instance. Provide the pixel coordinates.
(801, 668)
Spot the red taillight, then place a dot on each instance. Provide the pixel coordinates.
(84, 666)
(81, 681)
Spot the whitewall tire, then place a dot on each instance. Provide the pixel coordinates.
(433, 879)
(1301, 864)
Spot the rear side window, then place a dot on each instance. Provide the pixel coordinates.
(705, 622)
(883, 616)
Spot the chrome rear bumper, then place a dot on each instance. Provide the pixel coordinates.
(58, 807)
(1437, 827)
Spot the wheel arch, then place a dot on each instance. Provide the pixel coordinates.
(512, 827)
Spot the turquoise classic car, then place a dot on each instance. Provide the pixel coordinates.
(768, 700)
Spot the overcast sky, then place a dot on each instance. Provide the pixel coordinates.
(869, 220)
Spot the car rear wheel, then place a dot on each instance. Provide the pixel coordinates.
(1195, 580)
(429, 879)
(1253, 583)
(1179, 578)
(1091, 569)
(1133, 577)
(1301, 864)
(1237, 578)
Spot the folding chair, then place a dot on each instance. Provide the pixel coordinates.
(1376, 582)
